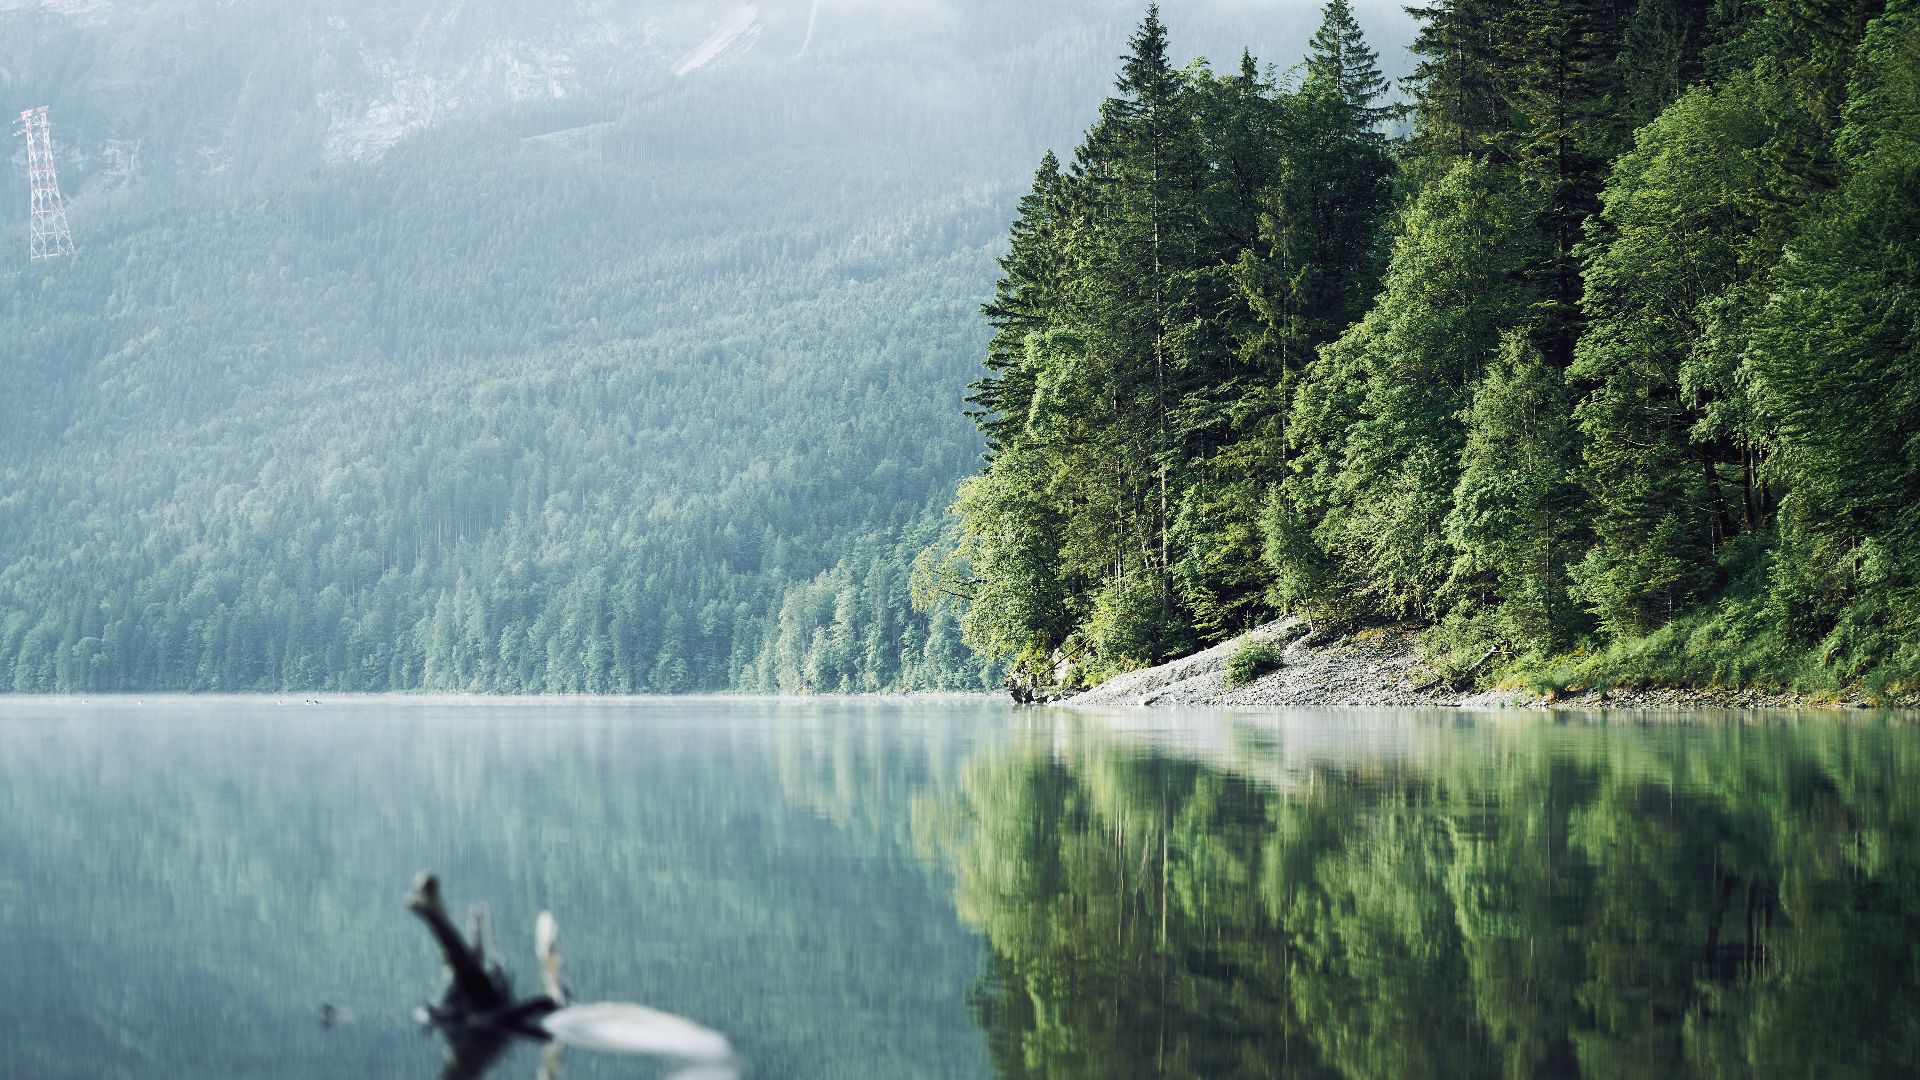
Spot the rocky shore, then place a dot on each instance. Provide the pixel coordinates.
(1377, 667)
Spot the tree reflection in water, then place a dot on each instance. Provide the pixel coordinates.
(1509, 898)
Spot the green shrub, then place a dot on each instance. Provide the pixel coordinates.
(1252, 660)
(1128, 627)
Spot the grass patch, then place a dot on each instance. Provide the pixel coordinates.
(1252, 660)
(1764, 631)
(1721, 647)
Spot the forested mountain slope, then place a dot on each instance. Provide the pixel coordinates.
(513, 347)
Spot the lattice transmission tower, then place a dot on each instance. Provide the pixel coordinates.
(47, 234)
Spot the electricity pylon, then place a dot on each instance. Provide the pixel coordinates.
(47, 235)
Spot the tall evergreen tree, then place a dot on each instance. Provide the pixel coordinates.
(1565, 125)
(1459, 83)
(1321, 251)
(1340, 60)
(1663, 51)
(1156, 190)
(1136, 301)
(1310, 272)
(1024, 298)
(1223, 420)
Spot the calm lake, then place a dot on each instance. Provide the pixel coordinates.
(960, 889)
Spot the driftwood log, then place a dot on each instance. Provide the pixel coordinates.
(479, 1016)
(478, 1012)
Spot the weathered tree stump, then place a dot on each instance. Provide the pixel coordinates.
(479, 996)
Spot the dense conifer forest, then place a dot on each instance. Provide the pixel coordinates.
(1604, 360)
(370, 466)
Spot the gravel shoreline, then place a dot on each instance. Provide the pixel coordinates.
(1379, 667)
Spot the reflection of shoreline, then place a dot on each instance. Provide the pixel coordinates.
(1442, 895)
(1277, 749)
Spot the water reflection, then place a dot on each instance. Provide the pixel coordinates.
(1350, 894)
(1401, 896)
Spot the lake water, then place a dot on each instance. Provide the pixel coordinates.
(960, 889)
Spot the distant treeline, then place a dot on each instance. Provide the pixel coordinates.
(1610, 367)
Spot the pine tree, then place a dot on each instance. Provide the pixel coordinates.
(1459, 84)
(1241, 121)
(1561, 89)
(1550, 390)
(1140, 278)
(1341, 61)
(1025, 298)
(1320, 253)
(1662, 53)
(1223, 421)
(1158, 187)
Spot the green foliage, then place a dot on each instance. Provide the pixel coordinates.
(855, 628)
(1302, 576)
(1209, 233)
(1340, 61)
(1835, 362)
(1015, 608)
(1126, 626)
(1218, 575)
(1512, 518)
(1253, 659)
(1376, 428)
(1694, 218)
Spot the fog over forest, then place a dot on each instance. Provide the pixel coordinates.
(514, 346)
